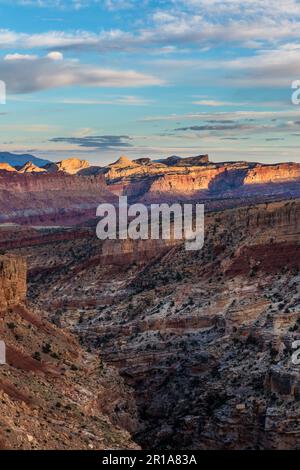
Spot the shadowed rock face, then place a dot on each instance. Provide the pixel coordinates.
(54, 394)
(229, 180)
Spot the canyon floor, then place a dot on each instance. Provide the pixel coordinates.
(202, 339)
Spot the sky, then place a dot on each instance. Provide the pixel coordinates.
(96, 79)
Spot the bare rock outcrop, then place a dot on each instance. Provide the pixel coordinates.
(30, 167)
(7, 167)
(71, 166)
(13, 283)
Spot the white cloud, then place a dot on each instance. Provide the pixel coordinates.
(75, 4)
(55, 56)
(20, 57)
(267, 68)
(118, 4)
(25, 76)
(204, 23)
(216, 103)
(106, 40)
(126, 100)
(117, 101)
(243, 7)
(293, 113)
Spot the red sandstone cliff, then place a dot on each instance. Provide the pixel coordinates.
(51, 198)
(273, 173)
(181, 179)
(61, 198)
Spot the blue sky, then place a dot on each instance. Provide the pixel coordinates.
(99, 78)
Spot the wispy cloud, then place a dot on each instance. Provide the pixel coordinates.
(75, 4)
(232, 115)
(205, 23)
(97, 141)
(126, 100)
(216, 127)
(213, 55)
(274, 67)
(245, 128)
(216, 103)
(116, 101)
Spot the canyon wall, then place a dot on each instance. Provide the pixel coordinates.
(203, 337)
(13, 282)
(53, 393)
(51, 199)
(60, 198)
(158, 182)
(24, 183)
(262, 174)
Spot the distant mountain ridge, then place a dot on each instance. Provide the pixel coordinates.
(68, 192)
(177, 179)
(20, 160)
